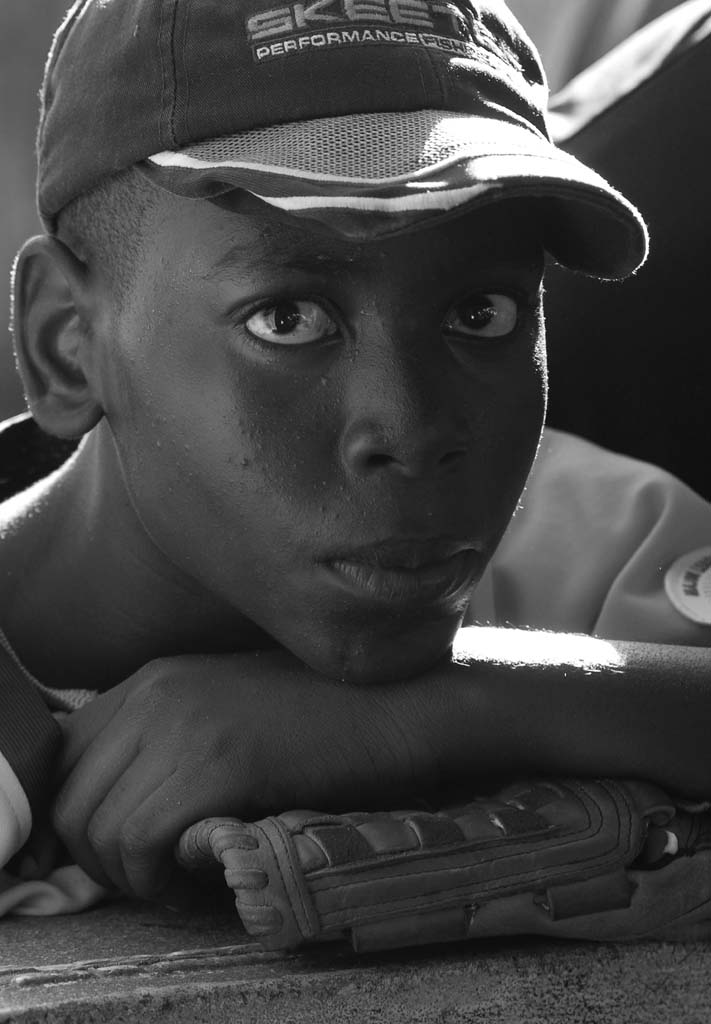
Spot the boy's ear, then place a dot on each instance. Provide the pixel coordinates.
(52, 343)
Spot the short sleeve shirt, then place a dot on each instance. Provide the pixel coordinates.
(598, 545)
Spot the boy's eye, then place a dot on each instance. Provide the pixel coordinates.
(291, 322)
(486, 315)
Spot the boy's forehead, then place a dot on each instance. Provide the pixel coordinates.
(239, 230)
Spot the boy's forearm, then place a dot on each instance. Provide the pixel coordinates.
(513, 703)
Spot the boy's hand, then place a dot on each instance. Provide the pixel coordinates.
(190, 737)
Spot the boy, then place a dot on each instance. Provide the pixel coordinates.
(290, 298)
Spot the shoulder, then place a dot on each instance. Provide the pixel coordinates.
(593, 543)
(589, 492)
(571, 461)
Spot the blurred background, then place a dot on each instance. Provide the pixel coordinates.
(569, 33)
(26, 28)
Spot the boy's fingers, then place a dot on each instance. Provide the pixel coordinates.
(109, 832)
(148, 859)
(92, 778)
(155, 828)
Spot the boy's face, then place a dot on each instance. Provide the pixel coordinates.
(329, 435)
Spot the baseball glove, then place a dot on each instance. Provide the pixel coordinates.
(596, 859)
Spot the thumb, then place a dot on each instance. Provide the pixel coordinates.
(80, 728)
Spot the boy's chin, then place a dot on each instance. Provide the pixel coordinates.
(370, 663)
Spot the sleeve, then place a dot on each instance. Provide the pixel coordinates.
(29, 740)
(599, 545)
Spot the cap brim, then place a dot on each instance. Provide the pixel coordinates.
(418, 165)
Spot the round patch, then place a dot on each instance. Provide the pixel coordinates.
(688, 585)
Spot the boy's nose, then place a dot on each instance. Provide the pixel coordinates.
(403, 418)
(368, 448)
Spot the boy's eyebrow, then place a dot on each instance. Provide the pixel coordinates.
(294, 260)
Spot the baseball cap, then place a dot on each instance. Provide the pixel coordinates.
(421, 108)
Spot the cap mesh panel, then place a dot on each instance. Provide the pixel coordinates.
(364, 146)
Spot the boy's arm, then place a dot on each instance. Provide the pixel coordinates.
(251, 734)
(29, 742)
(516, 702)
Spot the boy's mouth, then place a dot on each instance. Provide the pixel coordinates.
(407, 571)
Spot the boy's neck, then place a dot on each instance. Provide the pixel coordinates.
(86, 598)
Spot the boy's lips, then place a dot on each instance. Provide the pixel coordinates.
(407, 571)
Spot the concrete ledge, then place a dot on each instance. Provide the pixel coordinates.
(135, 963)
